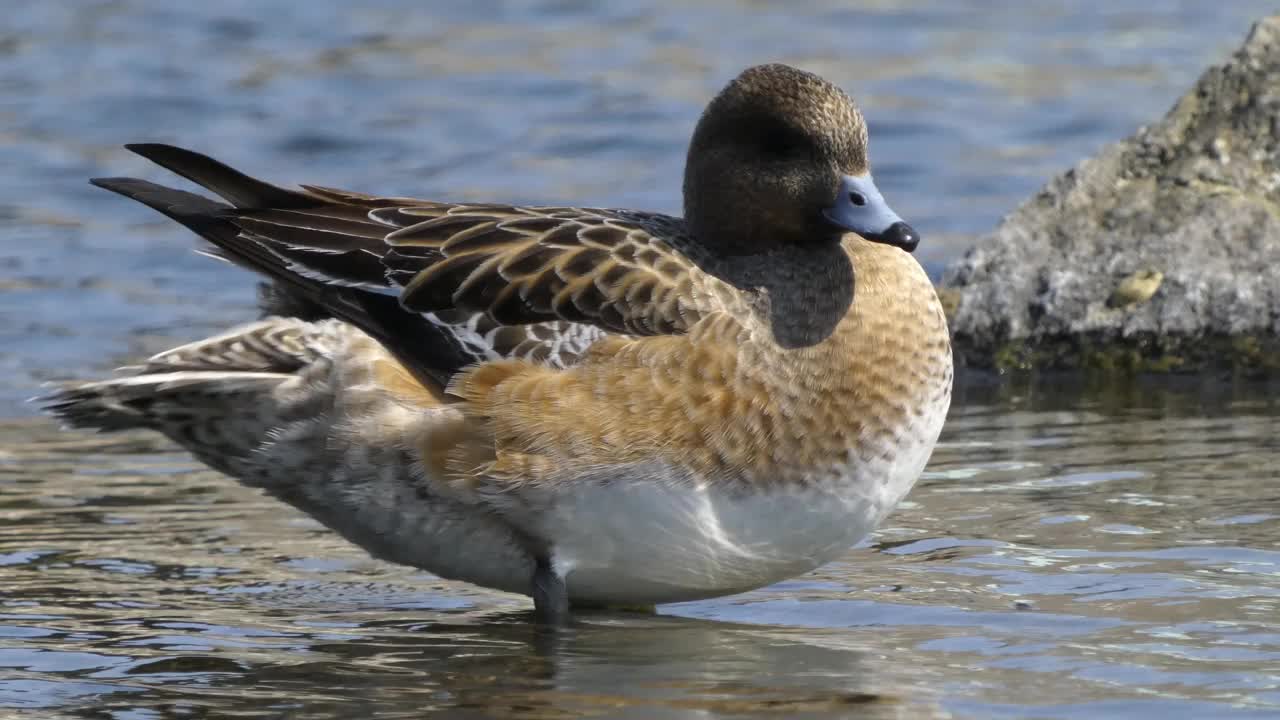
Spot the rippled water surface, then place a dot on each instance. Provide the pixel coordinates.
(1072, 552)
(1068, 554)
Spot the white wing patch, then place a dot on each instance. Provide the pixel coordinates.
(555, 344)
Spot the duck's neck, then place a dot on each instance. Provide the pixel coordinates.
(844, 324)
(802, 293)
(875, 384)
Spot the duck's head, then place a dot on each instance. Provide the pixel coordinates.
(779, 158)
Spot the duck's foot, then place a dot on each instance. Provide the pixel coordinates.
(550, 596)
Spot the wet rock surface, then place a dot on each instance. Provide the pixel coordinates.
(1162, 253)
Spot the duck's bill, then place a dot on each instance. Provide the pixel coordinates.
(860, 208)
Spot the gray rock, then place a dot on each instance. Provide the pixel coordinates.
(1161, 253)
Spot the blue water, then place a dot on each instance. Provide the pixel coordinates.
(1071, 554)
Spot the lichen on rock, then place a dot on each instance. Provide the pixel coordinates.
(1162, 253)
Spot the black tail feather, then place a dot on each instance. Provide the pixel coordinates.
(381, 316)
(228, 183)
(276, 299)
(211, 221)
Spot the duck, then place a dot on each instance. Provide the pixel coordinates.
(590, 407)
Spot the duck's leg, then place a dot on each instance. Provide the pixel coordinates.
(550, 595)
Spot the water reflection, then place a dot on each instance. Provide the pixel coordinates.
(1070, 552)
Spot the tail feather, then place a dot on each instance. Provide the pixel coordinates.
(278, 300)
(273, 345)
(431, 361)
(220, 417)
(167, 402)
(202, 380)
(222, 397)
(209, 220)
(230, 184)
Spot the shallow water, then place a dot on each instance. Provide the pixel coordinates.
(1069, 554)
(1079, 552)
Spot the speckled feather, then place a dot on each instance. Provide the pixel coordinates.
(740, 397)
(620, 271)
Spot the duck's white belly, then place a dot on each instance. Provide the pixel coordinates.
(655, 537)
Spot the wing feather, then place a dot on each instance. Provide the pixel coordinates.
(502, 281)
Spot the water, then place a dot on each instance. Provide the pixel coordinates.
(1072, 552)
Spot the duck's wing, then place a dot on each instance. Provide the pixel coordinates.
(616, 270)
(473, 335)
(490, 281)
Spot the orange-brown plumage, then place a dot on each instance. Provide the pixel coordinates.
(603, 405)
(690, 400)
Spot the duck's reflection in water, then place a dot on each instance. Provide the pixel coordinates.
(605, 664)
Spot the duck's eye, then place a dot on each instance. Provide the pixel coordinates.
(778, 144)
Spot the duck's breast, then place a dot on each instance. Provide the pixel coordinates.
(651, 534)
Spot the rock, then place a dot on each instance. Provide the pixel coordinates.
(1162, 253)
